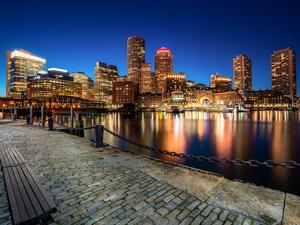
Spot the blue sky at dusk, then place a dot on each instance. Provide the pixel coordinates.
(204, 36)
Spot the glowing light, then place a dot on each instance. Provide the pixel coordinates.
(18, 53)
(58, 70)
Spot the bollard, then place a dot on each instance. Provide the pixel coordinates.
(31, 115)
(81, 130)
(27, 119)
(99, 136)
(50, 123)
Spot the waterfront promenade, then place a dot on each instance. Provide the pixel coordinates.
(107, 186)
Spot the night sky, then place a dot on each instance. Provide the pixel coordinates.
(204, 36)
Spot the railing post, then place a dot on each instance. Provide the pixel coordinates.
(31, 115)
(42, 116)
(15, 114)
(99, 136)
(50, 123)
(71, 117)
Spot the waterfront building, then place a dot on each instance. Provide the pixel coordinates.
(124, 92)
(146, 79)
(229, 98)
(220, 83)
(196, 96)
(135, 58)
(83, 79)
(283, 69)
(149, 100)
(104, 76)
(163, 61)
(19, 65)
(174, 83)
(51, 83)
(242, 71)
(269, 99)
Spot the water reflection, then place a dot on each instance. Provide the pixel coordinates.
(258, 135)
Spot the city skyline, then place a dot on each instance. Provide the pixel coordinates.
(194, 59)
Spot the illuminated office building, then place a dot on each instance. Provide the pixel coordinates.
(163, 61)
(146, 79)
(220, 83)
(242, 71)
(19, 65)
(283, 69)
(174, 83)
(104, 76)
(135, 58)
(124, 92)
(83, 79)
(51, 83)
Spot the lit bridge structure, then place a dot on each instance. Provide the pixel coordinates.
(52, 104)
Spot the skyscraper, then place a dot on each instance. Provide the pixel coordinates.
(81, 78)
(19, 65)
(146, 79)
(163, 61)
(135, 58)
(104, 76)
(283, 69)
(242, 71)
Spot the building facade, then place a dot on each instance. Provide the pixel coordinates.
(146, 79)
(242, 71)
(124, 92)
(135, 58)
(163, 61)
(228, 98)
(83, 79)
(51, 83)
(174, 83)
(283, 69)
(159, 83)
(149, 100)
(19, 65)
(220, 83)
(269, 99)
(104, 76)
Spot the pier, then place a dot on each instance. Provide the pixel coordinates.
(109, 186)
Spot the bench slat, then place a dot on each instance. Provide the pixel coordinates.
(34, 201)
(11, 157)
(24, 196)
(11, 196)
(14, 193)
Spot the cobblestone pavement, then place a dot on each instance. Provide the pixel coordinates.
(88, 190)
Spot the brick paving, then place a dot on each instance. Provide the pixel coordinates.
(89, 190)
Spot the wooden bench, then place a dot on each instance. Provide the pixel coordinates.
(29, 203)
(11, 157)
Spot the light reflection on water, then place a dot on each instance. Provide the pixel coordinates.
(258, 135)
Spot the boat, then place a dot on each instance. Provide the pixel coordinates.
(241, 108)
(219, 108)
